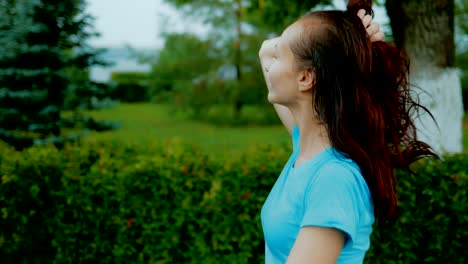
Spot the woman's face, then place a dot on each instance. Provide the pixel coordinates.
(283, 74)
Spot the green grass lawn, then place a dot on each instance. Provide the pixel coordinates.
(144, 123)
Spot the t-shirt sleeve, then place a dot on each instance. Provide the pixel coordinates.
(295, 137)
(331, 200)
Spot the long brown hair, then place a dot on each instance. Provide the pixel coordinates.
(363, 97)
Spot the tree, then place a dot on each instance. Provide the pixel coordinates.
(227, 15)
(184, 62)
(425, 29)
(276, 15)
(230, 21)
(461, 37)
(40, 43)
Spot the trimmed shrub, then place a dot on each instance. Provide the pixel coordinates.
(129, 86)
(431, 227)
(168, 203)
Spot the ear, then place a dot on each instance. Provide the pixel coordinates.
(306, 79)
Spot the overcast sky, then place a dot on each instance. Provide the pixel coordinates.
(138, 22)
(133, 22)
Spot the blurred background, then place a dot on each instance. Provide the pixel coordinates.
(153, 70)
(128, 127)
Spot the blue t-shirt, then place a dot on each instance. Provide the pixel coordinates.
(326, 191)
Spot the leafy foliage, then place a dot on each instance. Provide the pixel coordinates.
(221, 70)
(169, 203)
(264, 18)
(276, 15)
(196, 74)
(184, 58)
(43, 55)
(129, 86)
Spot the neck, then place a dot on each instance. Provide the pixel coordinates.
(313, 134)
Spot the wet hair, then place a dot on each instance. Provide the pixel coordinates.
(362, 95)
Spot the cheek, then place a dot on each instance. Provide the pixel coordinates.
(276, 74)
(282, 85)
(280, 75)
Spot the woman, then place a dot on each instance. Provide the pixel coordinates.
(343, 94)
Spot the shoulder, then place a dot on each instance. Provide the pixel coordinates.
(339, 168)
(337, 197)
(341, 173)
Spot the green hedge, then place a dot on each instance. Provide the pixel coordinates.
(168, 203)
(129, 86)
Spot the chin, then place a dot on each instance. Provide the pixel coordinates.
(274, 99)
(271, 98)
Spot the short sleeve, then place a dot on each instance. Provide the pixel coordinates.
(331, 200)
(295, 137)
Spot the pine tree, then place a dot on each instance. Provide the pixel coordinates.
(41, 42)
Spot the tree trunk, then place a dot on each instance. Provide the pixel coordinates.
(238, 101)
(425, 29)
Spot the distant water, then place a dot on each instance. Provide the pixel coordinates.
(122, 60)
